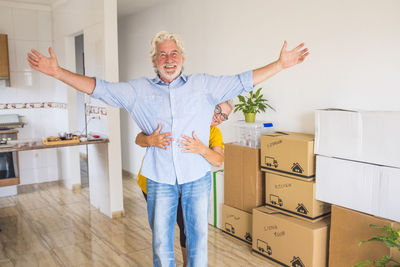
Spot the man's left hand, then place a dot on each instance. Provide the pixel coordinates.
(290, 58)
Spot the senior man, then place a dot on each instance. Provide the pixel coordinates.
(182, 104)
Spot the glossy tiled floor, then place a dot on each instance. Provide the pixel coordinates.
(48, 225)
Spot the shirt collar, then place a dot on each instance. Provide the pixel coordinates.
(157, 79)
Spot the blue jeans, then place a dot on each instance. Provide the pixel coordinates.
(162, 204)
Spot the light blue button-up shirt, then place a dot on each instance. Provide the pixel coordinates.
(182, 106)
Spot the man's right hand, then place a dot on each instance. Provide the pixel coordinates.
(49, 66)
(46, 65)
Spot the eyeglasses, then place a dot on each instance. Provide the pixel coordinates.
(218, 110)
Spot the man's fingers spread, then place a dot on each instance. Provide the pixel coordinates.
(51, 52)
(33, 66)
(32, 62)
(302, 52)
(32, 57)
(36, 53)
(298, 47)
(284, 45)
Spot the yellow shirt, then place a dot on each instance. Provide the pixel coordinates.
(215, 140)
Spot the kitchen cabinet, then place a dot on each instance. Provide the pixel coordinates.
(4, 59)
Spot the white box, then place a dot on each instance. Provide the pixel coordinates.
(216, 198)
(364, 187)
(367, 136)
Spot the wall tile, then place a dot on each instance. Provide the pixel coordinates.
(25, 24)
(27, 83)
(9, 94)
(44, 25)
(6, 22)
(22, 48)
(12, 55)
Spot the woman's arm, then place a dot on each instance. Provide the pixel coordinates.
(215, 155)
(155, 139)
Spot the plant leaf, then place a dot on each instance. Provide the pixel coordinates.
(382, 262)
(367, 262)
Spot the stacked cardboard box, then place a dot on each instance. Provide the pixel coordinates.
(358, 162)
(289, 241)
(289, 164)
(237, 223)
(358, 168)
(348, 228)
(295, 225)
(243, 190)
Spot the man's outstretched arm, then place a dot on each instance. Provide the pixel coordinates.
(49, 66)
(286, 60)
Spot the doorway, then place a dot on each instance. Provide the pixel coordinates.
(81, 106)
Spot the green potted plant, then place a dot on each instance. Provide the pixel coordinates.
(391, 239)
(252, 104)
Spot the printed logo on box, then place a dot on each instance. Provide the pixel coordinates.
(296, 262)
(297, 168)
(248, 237)
(229, 228)
(301, 208)
(275, 200)
(271, 162)
(263, 247)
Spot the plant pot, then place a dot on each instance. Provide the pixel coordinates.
(250, 117)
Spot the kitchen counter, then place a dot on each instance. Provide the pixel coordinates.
(39, 145)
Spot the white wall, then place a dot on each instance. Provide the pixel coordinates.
(29, 26)
(354, 59)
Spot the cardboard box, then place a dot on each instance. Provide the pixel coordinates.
(237, 223)
(294, 197)
(348, 228)
(289, 241)
(366, 136)
(243, 180)
(216, 198)
(288, 153)
(368, 188)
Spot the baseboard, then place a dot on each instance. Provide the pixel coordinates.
(128, 174)
(117, 214)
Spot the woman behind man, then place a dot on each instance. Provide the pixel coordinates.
(214, 154)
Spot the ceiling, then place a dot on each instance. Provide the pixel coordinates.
(125, 7)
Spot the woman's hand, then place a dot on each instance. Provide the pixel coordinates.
(193, 145)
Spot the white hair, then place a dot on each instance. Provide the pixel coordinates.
(161, 37)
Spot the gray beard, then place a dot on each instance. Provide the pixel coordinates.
(171, 77)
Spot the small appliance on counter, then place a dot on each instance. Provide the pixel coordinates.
(10, 121)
